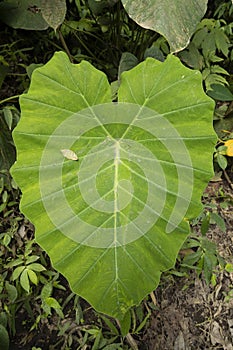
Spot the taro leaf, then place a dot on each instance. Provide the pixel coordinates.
(24, 14)
(176, 20)
(116, 218)
(53, 12)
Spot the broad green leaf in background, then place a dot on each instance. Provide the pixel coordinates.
(176, 20)
(24, 14)
(115, 218)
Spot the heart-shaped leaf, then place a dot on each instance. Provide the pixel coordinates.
(53, 12)
(176, 20)
(113, 220)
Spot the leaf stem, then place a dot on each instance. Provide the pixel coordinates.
(61, 37)
(9, 99)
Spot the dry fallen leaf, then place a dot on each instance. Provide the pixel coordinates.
(67, 153)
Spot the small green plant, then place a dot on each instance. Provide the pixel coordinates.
(198, 252)
(25, 268)
(210, 43)
(224, 150)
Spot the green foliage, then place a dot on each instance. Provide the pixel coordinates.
(102, 33)
(210, 43)
(4, 338)
(62, 89)
(176, 21)
(8, 120)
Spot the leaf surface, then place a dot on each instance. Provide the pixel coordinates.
(23, 14)
(116, 218)
(176, 20)
(53, 12)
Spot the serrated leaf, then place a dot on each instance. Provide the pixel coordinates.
(53, 12)
(222, 41)
(117, 218)
(176, 20)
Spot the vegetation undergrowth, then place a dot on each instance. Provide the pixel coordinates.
(33, 296)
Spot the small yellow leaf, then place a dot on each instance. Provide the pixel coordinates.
(229, 145)
(67, 153)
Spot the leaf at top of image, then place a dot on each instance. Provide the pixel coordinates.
(23, 14)
(176, 20)
(53, 12)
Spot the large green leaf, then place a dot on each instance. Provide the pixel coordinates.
(114, 219)
(176, 20)
(24, 14)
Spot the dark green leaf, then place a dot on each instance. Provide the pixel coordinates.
(127, 62)
(126, 324)
(23, 14)
(12, 292)
(219, 221)
(220, 92)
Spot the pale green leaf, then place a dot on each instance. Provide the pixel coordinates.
(176, 20)
(17, 272)
(36, 267)
(24, 280)
(46, 291)
(114, 220)
(51, 302)
(53, 12)
(32, 276)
